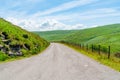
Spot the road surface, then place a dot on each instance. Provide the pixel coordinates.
(57, 62)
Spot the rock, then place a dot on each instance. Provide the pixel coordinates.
(2, 36)
(15, 48)
(7, 42)
(11, 53)
(19, 53)
(5, 35)
(1, 46)
(26, 46)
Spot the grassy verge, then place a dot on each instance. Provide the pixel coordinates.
(22, 57)
(112, 62)
(17, 43)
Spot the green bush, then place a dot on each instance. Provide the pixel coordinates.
(24, 51)
(104, 49)
(25, 35)
(3, 56)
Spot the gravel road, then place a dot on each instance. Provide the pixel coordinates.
(57, 62)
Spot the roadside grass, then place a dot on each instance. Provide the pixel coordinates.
(14, 58)
(113, 62)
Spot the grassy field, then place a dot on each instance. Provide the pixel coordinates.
(15, 41)
(108, 35)
(57, 35)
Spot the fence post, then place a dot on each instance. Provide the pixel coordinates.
(99, 49)
(108, 52)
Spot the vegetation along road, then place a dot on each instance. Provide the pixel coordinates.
(57, 62)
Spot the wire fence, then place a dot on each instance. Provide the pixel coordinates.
(93, 48)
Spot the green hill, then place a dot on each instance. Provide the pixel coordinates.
(15, 41)
(56, 35)
(102, 35)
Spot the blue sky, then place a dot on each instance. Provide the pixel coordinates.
(70, 14)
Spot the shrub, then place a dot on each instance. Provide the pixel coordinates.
(24, 51)
(3, 56)
(104, 49)
(25, 36)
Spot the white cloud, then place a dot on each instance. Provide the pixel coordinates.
(43, 25)
(94, 25)
(55, 22)
(88, 15)
(65, 6)
(79, 26)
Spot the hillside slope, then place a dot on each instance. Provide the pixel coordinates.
(15, 41)
(103, 35)
(56, 35)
